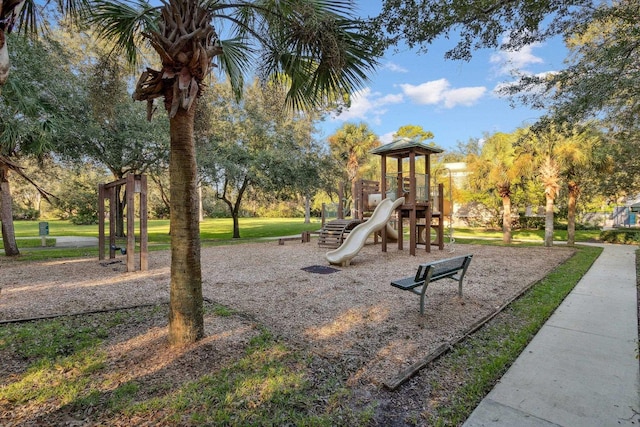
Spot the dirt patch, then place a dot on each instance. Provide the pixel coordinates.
(353, 314)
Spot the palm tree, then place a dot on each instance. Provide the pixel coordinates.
(550, 177)
(579, 156)
(313, 43)
(500, 167)
(567, 153)
(351, 145)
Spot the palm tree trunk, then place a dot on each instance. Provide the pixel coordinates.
(574, 190)
(6, 214)
(506, 219)
(548, 223)
(5, 63)
(186, 318)
(354, 199)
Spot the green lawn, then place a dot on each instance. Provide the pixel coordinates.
(524, 235)
(210, 229)
(218, 231)
(255, 228)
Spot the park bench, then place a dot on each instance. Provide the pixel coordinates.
(450, 268)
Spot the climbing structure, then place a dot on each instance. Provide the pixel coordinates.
(333, 233)
(406, 181)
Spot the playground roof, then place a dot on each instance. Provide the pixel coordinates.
(401, 147)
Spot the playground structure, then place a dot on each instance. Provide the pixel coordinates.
(134, 184)
(421, 206)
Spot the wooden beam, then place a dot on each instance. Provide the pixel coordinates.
(131, 230)
(101, 197)
(144, 235)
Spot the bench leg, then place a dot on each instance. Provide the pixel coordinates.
(423, 293)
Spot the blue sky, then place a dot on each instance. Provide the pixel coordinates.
(455, 100)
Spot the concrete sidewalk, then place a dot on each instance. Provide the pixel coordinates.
(75, 241)
(581, 369)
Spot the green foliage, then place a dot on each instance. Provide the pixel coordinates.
(350, 146)
(628, 237)
(413, 132)
(41, 102)
(599, 80)
(254, 149)
(79, 189)
(478, 25)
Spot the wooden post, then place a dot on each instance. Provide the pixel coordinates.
(340, 213)
(101, 196)
(131, 231)
(144, 235)
(441, 222)
(383, 194)
(112, 222)
(412, 200)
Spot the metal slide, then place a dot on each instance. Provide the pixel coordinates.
(358, 236)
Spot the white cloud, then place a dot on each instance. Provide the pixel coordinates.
(387, 137)
(396, 68)
(517, 60)
(390, 99)
(368, 105)
(439, 92)
(466, 96)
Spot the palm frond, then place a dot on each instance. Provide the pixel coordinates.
(236, 56)
(126, 24)
(320, 50)
(32, 17)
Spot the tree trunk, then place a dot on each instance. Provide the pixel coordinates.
(200, 205)
(354, 199)
(236, 207)
(574, 191)
(186, 318)
(236, 225)
(5, 63)
(7, 10)
(307, 208)
(506, 219)
(6, 214)
(548, 223)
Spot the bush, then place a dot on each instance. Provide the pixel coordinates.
(627, 237)
(27, 214)
(530, 222)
